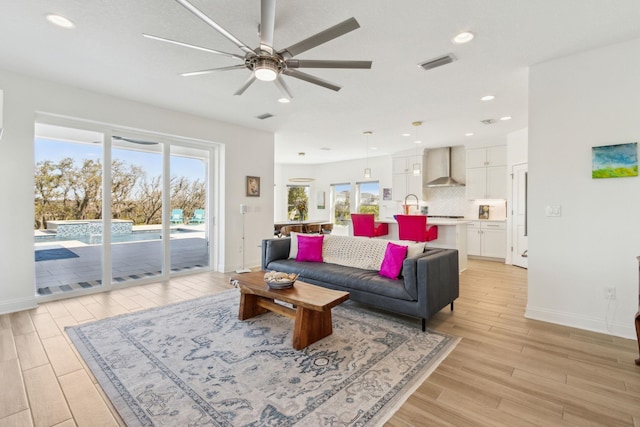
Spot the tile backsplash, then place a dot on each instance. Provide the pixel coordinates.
(453, 201)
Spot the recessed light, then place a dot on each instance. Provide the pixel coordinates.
(417, 142)
(373, 148)
(60, 20)
(406, 134)
(468, 134)
(463, 37)
(325, 149)
(506, 118)
(488, 98)
(284, 100)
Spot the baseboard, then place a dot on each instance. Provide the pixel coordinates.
(593, 324)
(12, 306)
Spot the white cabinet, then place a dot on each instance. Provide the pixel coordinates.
(487, 239)
(403, 180)
(487, 173)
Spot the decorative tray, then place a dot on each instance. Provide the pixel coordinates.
(279, 280)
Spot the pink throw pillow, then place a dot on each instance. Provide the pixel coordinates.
(394, 256)
(309, 248)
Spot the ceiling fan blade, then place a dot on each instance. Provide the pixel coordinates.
(197, 12)
(134, 141)
(311, 63)
(246, 84)
(213, 70)
(283, 87)
(267, 24)
(320, 38)
(193, 46)
(311, 79)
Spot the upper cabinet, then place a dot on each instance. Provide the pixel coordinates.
(487, 173)
(404, 181)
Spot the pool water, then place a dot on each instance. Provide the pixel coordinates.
(134, 236)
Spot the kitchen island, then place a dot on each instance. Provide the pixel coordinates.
(452, 234)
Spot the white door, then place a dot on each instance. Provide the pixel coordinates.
(520, 231)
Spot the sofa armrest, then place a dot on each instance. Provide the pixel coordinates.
(438, 280)
(274, 249)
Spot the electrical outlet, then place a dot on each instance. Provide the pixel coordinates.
(610, 293)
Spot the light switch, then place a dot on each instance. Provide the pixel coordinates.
(553, 210)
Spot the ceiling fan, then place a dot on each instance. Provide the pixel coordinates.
(268, 64)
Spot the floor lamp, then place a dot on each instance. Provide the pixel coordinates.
(243, 212)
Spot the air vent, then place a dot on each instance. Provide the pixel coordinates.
(488, 121)
(264, 116)
(437, 62)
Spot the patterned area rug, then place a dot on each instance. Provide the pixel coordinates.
(194, 364)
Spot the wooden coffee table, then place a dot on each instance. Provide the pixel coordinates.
(312, 305)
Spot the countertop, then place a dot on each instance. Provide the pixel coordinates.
(445, 221)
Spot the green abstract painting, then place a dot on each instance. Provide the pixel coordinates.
(615, 161)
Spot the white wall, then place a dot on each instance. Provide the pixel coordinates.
(24, 96)
(575, 103)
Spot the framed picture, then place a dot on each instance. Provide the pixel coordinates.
(615, 161)
(253, 186)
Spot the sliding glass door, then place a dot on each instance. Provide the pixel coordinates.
(137, 250)
(189, 213)
(144, 217)
(67, 202)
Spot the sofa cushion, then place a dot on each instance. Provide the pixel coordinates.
(344, 278)
(310, 248)
(393, 259)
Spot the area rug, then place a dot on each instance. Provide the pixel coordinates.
(53, 254)
(194, 364)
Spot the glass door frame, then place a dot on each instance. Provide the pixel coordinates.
(213, 196)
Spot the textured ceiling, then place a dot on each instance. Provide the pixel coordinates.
(107, 53)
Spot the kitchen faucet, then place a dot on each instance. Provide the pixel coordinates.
(406, 207)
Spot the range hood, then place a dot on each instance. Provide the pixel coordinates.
(445, 179)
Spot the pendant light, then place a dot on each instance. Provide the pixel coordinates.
(416, 166)
(367, 170)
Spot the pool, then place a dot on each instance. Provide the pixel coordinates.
(96, 239)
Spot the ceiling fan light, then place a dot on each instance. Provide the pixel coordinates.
(266, 70)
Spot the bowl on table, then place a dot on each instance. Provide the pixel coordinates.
(279, 280)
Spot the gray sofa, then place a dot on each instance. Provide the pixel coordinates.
(428, 282)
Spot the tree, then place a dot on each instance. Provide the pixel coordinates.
(64, 191)
(87, 187)
(123, 181)
(149, 207)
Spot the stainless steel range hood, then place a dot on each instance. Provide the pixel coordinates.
(445, 180)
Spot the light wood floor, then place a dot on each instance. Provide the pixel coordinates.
(507, 370)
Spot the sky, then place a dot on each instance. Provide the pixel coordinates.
(46, 149)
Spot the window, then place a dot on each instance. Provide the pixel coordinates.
(341, 203)
(368, 197)
(297, 202)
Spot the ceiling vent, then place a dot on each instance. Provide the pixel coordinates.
(437, 62)
(264, 116)
(488, 121)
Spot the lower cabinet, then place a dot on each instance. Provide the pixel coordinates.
(487, 239)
